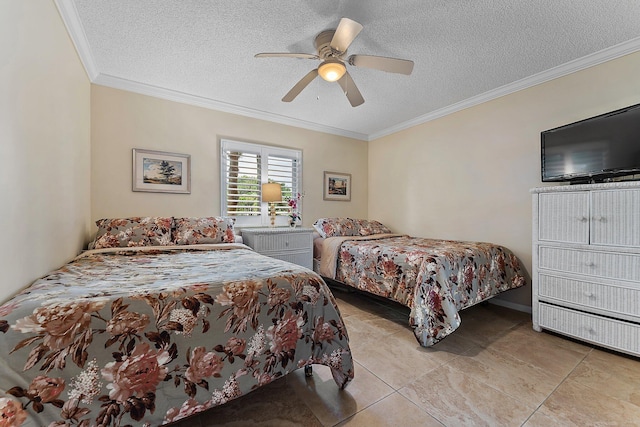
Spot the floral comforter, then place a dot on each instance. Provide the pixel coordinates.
(147, 336)
(435, 278)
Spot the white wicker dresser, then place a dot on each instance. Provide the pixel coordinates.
(586, 263)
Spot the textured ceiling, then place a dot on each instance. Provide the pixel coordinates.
(465, 51)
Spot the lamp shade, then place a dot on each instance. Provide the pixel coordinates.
(271, 192)
(332, 70)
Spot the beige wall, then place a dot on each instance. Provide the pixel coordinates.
(121, 121)
(44, 144)
(467, 175)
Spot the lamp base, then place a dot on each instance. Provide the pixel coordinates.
(272, 214)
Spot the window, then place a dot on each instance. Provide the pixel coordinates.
(244, 168)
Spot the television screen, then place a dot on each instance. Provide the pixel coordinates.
(593, 149)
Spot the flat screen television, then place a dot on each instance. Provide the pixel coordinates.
(594, 149)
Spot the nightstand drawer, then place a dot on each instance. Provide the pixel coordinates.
(280, 242)
(294, 245)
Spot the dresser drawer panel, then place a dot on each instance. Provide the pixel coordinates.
(280, 242)
(615, 334)
(616, 299)
(564, 217)
(616, 218)
(591, 263)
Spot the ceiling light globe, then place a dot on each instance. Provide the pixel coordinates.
(332, 70)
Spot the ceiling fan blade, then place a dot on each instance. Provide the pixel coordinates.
(391, 65)
(351, 90)
(295, 90)
(346, 32)
(287, 55)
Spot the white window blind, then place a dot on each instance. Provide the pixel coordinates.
(244, 168)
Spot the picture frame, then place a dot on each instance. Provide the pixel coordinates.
(337, 186)
(161, 172)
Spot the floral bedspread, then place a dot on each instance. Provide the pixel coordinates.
(435, 278)
(147, 336)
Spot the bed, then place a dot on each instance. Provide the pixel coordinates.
(162, 319)
(434, 278)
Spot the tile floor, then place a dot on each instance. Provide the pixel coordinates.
(493, 371)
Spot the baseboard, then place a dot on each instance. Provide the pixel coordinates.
(511, 305)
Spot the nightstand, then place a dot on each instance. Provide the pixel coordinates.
(289, 244)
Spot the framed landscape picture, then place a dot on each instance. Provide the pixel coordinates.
(161, 172)
(337, 186)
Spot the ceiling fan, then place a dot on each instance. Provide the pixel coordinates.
(332, 49)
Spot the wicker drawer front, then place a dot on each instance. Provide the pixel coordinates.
(300, 258)
(615, 334)
(564, 217)
(592, 263)
(616, 299)
(615, 218)
(264, 243)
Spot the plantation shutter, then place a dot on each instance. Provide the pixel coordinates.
(244, 168)
(283, 170)
(243, 183)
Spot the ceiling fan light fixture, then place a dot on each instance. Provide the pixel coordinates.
(332, 70)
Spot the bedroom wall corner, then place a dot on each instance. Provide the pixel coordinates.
(44, 129)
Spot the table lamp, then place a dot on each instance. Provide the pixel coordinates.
(271, 193)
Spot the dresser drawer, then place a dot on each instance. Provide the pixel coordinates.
(614, 334)
(592, 263)
(618, 300)
(564, 217)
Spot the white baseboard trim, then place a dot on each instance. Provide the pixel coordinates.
(511, 305)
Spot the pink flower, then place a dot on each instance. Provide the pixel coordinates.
(60, 323)
(47, 389)
(190, 407)
(285, 334)
(127, 322)
(235, 346)
(322, 331)
(137, 373)
(11, 413)
(243, 296)
(203, 364)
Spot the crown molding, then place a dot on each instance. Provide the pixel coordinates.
(71, 19)
(591, 60)
(199, 101)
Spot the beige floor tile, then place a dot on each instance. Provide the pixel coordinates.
(522, 381)
(456, 399)
(398, 359)
(573, 403)
(485, 323)
(393, 410)
(538, 419)
(556, 339)
(611, 374)
(619, 359)
(331, 405)
(546, 355)
(273, 405)
(375, 326)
